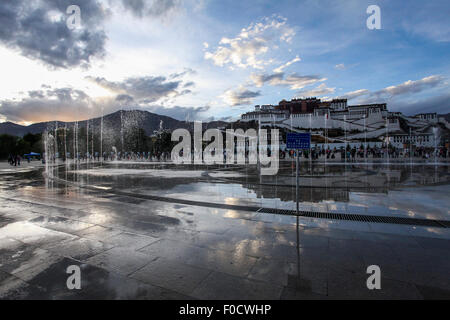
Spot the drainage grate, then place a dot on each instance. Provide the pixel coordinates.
(446, 224)
(361, 218)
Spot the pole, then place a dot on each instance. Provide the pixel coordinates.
(296, 180)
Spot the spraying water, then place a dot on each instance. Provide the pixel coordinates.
(387, 139)
(101, 138)
(435, 136)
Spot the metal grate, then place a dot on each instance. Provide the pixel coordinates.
(446, 224)
(361, 218)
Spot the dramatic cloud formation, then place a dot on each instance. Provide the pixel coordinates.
(247, 49)
(241, 96)
(40, 31)
(158, 54)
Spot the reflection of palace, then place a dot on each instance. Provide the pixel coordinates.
(337, 184)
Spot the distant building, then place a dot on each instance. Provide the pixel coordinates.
(294, 106)
(368, 121)
(265, 114)
(432, 117)
(403, 140)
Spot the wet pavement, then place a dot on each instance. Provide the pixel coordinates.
(134, 248)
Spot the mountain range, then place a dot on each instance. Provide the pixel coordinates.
(148, 121)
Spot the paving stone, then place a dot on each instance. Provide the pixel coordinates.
(79, 249)
(220, 286)
(121, 260)
(172, 275)
(130, 240)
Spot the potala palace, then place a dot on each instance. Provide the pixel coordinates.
(370, 122)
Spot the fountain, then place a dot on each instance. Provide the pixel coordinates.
(345, 139)
(365, 139)
(387, 139)
(101, 138)
(310, 150)
(435, 138)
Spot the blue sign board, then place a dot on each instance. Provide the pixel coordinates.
(298, 141)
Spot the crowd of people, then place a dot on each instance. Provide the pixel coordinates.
(14, 160)
(353, 154)
(118, 156)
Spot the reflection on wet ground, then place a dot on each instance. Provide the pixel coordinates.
(375, 189)
(132, 248)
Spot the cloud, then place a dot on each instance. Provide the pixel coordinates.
(146, 89)
(260, 79)
(180, 113)
(287, 64)
(428, 19)
(38, 30)
(150, 8)
(406, 88)
(410, 87)
(186, 71)
(249, 46)
(439, 104)
(241, 96)
(340, 66)
(294, 81)
(355, 94)
(68, 104)
(320, 90)
(52, 104)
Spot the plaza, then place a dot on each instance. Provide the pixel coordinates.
(155, 230)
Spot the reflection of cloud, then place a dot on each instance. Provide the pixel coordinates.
(246, 49)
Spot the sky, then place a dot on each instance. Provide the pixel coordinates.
(214, 60)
